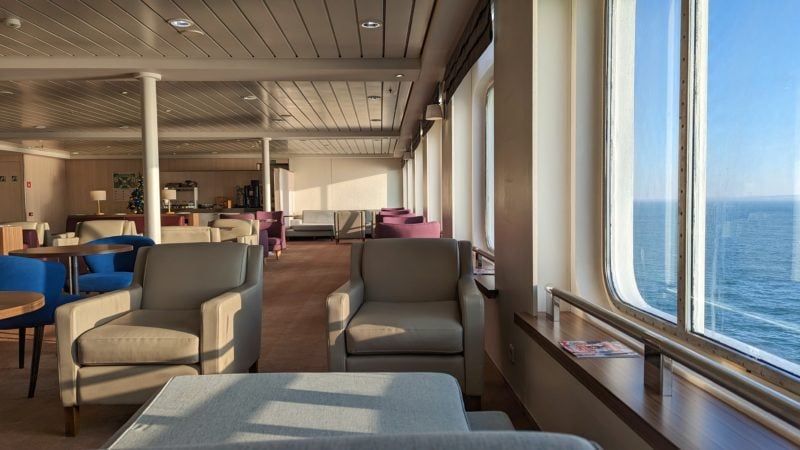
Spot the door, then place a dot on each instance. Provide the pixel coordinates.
(12, 204)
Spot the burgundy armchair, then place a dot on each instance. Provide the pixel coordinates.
(408, 230)
(403, 219)
(272, 231)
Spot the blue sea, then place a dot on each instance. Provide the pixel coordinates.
(752, 269)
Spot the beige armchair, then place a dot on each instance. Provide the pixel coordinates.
(237, 230)
(42, 230)
(350, 225)
(191, 309)
(184, 235)
(410, 305)
(95, 229)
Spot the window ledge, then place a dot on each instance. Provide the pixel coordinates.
(690, 418)
(486, 285)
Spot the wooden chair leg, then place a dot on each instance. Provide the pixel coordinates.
(254, 367)
(38, 337)
(278, 255)
(71, 421)
(22, 347)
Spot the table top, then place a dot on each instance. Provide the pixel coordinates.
(17, 303)
(279, 406)
(72, 250)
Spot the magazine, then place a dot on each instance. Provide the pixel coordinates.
(598, 349)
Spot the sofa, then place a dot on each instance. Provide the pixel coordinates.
(138, 219)
(314, 223)
(95, 229)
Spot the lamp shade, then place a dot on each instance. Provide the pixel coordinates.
(97, 195)
(434, 112)
(169, 194)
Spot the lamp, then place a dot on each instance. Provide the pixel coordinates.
(434, 112)
(98, 196)
(169, 195)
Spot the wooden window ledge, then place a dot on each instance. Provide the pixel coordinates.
(690, 418)
(485, 284)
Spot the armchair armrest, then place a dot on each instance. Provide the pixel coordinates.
(342, 305)
(230, 340)
(251, 239)
(75, 318)
(470, 301)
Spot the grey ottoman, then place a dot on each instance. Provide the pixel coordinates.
(224, 409)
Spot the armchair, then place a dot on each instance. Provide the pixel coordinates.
(191, 309)
(25, 274)
(410, 305)
(237, 230)
(350, 225)
(111, 272)
(95, 229)
(185, 235)
(276, 230)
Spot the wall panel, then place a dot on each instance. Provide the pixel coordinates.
(46, 198)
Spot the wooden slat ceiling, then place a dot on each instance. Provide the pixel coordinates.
(343, 147)
(231, 29)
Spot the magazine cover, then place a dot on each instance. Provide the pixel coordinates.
(598, 349)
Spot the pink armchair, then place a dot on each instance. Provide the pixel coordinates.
(272, 231)
(408, 230)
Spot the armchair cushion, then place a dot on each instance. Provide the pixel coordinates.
(96, 229)
(389, 264)
(143, 337)
(203, 271)
(401, 328)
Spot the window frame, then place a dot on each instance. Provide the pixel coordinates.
(691, 195)
(489, 242)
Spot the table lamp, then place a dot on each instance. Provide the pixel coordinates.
(98, 196)
(169, 195)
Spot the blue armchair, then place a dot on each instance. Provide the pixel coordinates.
(114, 271)
(33, 275)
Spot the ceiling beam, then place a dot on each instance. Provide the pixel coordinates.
(134, 134)
(214, 69)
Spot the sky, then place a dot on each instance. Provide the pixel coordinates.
(753, 98)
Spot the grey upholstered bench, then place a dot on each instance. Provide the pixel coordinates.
(226, 409)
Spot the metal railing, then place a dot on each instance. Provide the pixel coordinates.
(480, 255)
(659, 352)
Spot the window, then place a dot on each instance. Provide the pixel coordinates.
(703, 228)
(488, 216)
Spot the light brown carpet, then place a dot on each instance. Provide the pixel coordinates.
(293, 340)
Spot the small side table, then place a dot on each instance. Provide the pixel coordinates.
(17, 303)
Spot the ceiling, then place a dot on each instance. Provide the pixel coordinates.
(304, 73)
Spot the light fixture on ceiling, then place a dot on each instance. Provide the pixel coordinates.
(434, 112)
(124, 92)
(371, 24)
(399, 75)
(214, 153)
(167, 110)
(181, 23)
(76, 153)
(250, 97)
(40, 127)
(373, 97)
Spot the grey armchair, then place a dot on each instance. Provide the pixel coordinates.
(410, 305)
(191, 309)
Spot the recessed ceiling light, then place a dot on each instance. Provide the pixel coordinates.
(373, 97)
(123, 127)
(180, 23)
(6, 93)
(76, 153)
(174, 153)
(108, 146)
(250, 97)
(124, 92)
(185, 143)
(371, 24)
(399, 75)
(167, 110)
(40, 127)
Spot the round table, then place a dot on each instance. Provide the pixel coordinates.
(72, 252)
(17, 303)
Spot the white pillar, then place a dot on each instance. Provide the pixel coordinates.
(152, 197)
(266, 175)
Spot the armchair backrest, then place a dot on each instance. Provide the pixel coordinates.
(230, 229)
(183, 276)
(117, 262)
(408, 270)
(92, 230)
(27, 274)
(42, 229)
(350, 224)
(317, 217)
(404, 219)
(407, 230)
(183, 235)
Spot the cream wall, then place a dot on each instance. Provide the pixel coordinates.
(45, 200)
(346, 183)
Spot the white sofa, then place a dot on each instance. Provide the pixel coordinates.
(314, 223)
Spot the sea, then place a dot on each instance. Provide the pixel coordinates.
(752, 271)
